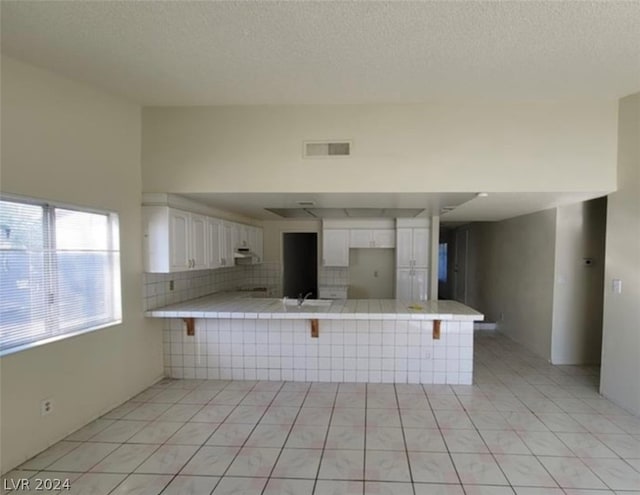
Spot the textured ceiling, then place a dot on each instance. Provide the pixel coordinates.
(207, 53)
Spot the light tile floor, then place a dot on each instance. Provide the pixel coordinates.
(525, 427)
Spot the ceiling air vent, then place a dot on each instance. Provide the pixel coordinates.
(327, 149)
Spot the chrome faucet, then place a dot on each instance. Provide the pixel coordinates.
(303, 299)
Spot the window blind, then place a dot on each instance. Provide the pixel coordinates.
(59, 272)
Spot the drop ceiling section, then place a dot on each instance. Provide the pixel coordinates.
(346, 212)
(272, 206)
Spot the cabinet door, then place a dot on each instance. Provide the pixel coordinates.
(404, 248)
(198, 245)
(419, 285)
(236, 233)
(227, 243)
(214, 242)
(421, 247)
(258, 249)
(245, 234)
(360, 238)
(404, 285)
(384, 238)
(335, 247)
(179, 240)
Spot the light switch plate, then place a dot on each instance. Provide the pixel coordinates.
(616, 286)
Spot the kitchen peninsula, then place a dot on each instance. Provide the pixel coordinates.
(368, 340)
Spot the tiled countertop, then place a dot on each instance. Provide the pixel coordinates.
(239, 305)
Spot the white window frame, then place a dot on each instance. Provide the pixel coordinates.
(114, 296)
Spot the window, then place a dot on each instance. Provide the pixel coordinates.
(59, 272)
(442, 262)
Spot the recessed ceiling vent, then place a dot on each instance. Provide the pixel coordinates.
(327, 149)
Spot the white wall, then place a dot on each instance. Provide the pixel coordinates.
(621, 330)
(447, 146)
(577, 294)
(510, 273)
(64, 141)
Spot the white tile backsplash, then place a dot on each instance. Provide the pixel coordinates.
(199, 283)
(333, 276)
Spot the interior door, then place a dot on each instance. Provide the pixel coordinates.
(460, 265)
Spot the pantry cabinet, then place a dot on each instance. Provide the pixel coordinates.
(412, 248)
(412, 263)
(412, 284)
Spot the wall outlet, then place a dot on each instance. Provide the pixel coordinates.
(46, 407)
(171, 285)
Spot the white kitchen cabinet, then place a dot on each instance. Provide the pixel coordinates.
(215, 239)
(412, 284)
(257, 244)
(420, 248)
(412, 248)
(198, 241)
(335, 247)
(372, 238)
(240, 235)
(180, 259)
(174, 240)
(359, 238)
(226, 244)
(384, 238)
(330, 292)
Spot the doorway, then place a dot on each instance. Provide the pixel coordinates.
(300, 264)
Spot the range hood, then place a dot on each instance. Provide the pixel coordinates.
(245, 255)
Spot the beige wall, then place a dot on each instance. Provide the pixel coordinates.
(66, 142)
(530, 270)
(452, 146)
(621, 329)
(577, 293)
(372, 274)
(510, 274)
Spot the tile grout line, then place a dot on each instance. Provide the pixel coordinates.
(288, 435)
(174, 476)
(404, 437)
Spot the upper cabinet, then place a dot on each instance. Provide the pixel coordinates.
(256, 243)
(335, 247)
(372, 238)
(177, 240)
(412, 247)
(174, 240)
